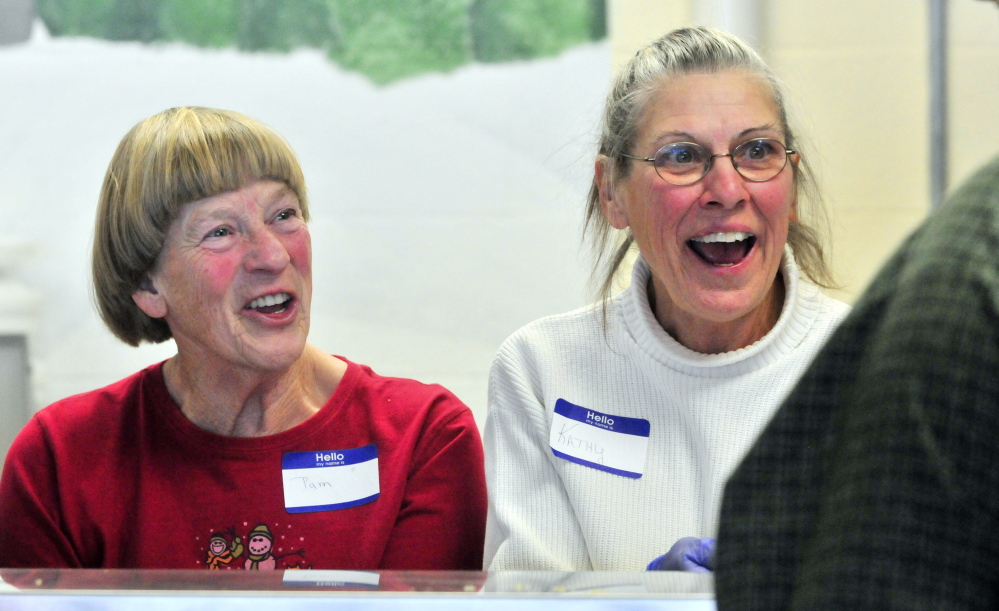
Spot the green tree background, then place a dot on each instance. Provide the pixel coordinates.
(384, 39)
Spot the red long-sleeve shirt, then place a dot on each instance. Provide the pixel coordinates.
(119, 478)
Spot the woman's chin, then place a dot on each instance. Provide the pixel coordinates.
(729, 293)
(273, 356)
(279, 351)
(286, 359)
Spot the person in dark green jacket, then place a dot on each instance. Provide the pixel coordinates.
(876, 485)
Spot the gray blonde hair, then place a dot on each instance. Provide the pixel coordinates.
(697, 50)
(176, 157)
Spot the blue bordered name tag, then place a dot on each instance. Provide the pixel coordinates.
(615, 444)
(326, 480)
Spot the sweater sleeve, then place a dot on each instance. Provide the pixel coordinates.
(31, 535)
(442, 518)
(531, 523)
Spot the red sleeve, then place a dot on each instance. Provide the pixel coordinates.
(31, 533)
(442, 522)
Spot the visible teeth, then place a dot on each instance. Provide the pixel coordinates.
(723, 236)
(269, 300)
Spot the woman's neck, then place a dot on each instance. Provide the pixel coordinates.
(715, 337)
(250, 403)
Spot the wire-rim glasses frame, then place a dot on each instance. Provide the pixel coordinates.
(684, 163)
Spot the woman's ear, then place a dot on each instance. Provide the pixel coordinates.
(613, 208)
(149, 299)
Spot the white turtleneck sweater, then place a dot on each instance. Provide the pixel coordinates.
(704, 412)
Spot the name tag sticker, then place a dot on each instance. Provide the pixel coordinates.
(330, 479)
(331, 578)
(615, 444)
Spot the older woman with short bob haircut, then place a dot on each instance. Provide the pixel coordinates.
(249, 449)
(612, 429)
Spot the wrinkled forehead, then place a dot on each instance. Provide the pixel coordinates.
(743, 97)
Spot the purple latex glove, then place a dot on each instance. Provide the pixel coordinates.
(689, 554)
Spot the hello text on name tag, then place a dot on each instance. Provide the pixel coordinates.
(330, 479)
(615, 444)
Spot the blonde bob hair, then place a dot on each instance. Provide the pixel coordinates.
(697, 50)
(176, 157)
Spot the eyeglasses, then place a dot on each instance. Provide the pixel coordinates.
(684, 163)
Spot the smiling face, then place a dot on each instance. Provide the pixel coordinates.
(714, 247)
(217, 546)
(259, 545)
(234, 279)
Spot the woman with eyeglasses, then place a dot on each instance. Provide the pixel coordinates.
(612, 429)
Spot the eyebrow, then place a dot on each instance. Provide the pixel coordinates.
(221, 214)
(282, 191)
(746, 132)
(761, 128)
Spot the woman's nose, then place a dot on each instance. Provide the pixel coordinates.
(723, 184)
(267, 252)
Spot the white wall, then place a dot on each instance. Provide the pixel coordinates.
(446, 208)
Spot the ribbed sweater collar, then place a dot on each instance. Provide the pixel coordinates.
(800, 309)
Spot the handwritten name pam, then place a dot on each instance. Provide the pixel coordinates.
(309, 485)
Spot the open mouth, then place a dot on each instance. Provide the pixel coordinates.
(270, 304)
(723, 249)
